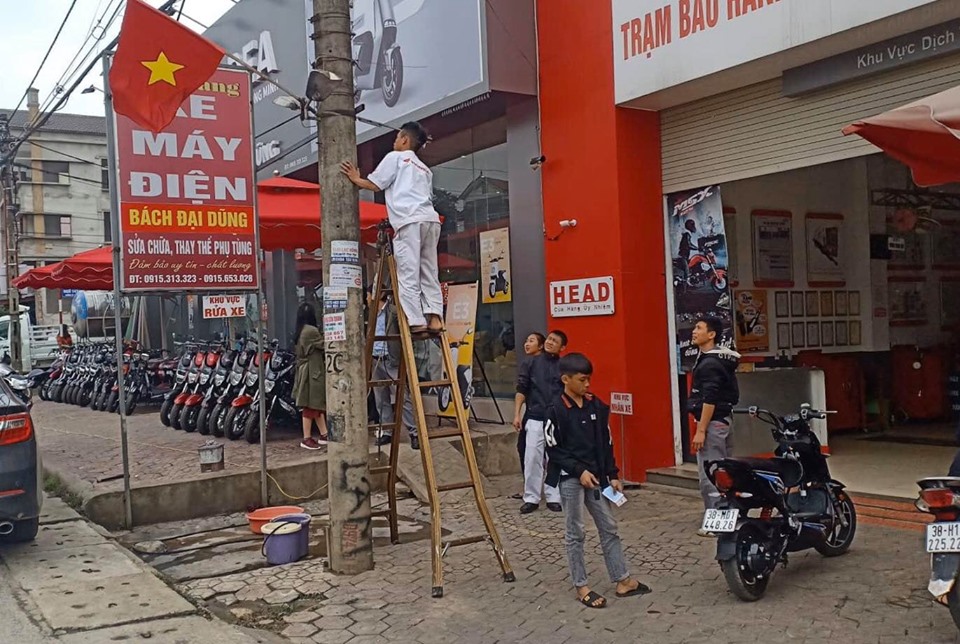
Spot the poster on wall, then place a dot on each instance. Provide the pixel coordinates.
(461, 320)
(752, 321)
(772, 248)
(825, 250)
(698, 247)
(495, 265)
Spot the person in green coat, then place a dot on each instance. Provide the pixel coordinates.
(309, 386)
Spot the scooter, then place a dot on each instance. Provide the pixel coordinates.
(800, 506)
(184, 365)
(464, 371)
(192, 405)
(940, 496)
(191, 387)
(234, 424)
(498, 278)
(376, 54)
(236, 386)
(278, 379)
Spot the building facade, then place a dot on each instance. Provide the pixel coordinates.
(64, 196)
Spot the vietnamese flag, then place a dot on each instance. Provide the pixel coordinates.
(158, 64)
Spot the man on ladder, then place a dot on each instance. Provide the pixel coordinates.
(408, 184)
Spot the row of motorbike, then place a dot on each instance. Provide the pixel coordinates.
(208, 388)
(771, 507)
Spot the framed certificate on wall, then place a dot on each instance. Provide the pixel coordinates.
(772, 248)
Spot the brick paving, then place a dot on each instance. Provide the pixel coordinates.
(874, 594)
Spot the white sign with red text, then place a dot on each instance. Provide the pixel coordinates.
(658, 44)
(224, 306)
(621, 403)
(583, 297)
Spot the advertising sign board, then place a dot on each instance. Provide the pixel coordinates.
(224, 306)
(581, 298)
(187, 218)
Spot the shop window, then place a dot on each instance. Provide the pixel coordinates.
(472, 193)
(104, 175)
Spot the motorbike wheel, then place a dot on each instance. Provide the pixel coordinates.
(444, 397)
(741, 580)
(188, 418)
(45, 391)
(54, 394)
(216, 421)
(506, 287)
(840, 538)
(175, 416)
(85, 397)
(71, 395)
(391, 80)
(165, 409)
(131, 404)
(720, 284)
(203, 421)
(251, 426)
(98, 400)
(493, 289)
(112, 402)
(233, 423)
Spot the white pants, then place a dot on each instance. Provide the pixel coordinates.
(534, 466)
(415, 247)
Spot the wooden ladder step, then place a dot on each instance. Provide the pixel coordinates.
(382, 383)
(378, 426)
(450, 432)
(449, 487)
(426, 384)
(465, 541)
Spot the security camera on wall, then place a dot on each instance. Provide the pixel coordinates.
(536, 162)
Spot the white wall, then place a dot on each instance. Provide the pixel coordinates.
(839, 188)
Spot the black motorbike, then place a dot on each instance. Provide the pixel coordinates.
(278, 377)
(217, 384)
(773, 506)
(940, 496)
(236, 385)
(184, 364)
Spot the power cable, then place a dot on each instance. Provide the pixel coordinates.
(46, 55)
(69, 156)
(70, 176)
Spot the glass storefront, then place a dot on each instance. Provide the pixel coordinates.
(472, 193)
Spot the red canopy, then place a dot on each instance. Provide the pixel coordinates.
(290, 215)
(43, 277)
(924, 135)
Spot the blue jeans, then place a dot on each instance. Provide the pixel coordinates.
(573, 496)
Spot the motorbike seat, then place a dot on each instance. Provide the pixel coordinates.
(154, 363)
(789, 470)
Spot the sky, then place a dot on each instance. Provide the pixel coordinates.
(29, 27)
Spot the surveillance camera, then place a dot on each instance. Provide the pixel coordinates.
(536, 162)
(568, 223)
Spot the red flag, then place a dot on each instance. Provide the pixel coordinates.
(158, 64)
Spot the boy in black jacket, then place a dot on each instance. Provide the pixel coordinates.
(581, 459)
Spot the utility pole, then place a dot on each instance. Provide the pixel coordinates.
(351, 544)
(11, 237)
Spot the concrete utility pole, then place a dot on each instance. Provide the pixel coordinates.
(351, 544)
(11, 238)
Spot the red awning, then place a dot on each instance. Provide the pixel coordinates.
(42, 277)
(290, 215)
(924, 135)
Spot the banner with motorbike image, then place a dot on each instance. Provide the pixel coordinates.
(698, 247)
(461, 320)
(495, 265)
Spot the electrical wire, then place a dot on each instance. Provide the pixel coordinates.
(70, 176)
(56, 37)
(69, 156)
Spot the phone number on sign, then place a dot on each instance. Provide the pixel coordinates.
(228, 279)
(164, 279)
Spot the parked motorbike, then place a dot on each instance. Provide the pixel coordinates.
(234, 424)
(236, 386)
(376, 54)
(17, 381)
(796, 505)
(148, 380)
(940, 496)
(278, 377)
(184, 366)
(193, 405)
(192, 387)
(221, 382)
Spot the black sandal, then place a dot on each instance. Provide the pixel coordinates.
(641, 589)
(590, 600)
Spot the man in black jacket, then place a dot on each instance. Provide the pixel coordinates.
(713, 395)
(538, 385)
(582, 464)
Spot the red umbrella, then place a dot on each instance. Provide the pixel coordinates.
(43, 277)
(94, 264)
(924, 135)
(36, 277)
(290, 215)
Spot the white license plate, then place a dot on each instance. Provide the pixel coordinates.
(943, 537)
(720, 520)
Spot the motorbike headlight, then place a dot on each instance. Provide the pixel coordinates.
(204, 378)
(251, 379)
(192, 378)
(235, 378)
(219, 378)
(268, 385)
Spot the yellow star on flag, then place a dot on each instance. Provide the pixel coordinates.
(161, 69)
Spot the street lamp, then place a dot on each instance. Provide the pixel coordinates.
(91, 90)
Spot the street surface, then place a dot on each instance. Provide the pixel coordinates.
(17, 625)
(875, 594)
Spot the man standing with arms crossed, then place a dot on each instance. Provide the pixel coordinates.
(713, 395)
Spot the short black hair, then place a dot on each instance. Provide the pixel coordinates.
(575, 363)
(560, 334)
(417, 134)
(713, 324)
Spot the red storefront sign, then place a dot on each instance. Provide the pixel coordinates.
(187, 218)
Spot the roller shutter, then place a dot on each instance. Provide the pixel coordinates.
(755, 130)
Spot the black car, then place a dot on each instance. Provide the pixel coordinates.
(21, 489)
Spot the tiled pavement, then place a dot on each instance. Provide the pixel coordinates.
(875, 594)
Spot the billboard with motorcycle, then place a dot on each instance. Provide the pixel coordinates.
(461, 320)
(698, 247)
(495, 265)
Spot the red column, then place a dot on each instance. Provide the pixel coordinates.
(603, 169)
